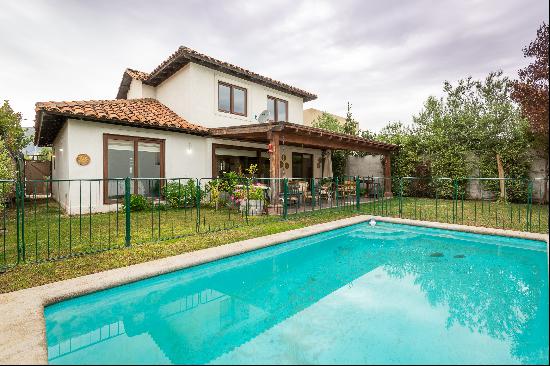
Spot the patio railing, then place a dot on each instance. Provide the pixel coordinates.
(78, 217)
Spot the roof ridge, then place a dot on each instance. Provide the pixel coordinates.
(98, 101)
(186, 51)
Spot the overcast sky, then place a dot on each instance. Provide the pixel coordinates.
(385, 57)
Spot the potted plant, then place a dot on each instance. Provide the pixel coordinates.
(252, 199)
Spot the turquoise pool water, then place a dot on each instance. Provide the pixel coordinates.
(360, 294)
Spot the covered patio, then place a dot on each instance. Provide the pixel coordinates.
(279, 134)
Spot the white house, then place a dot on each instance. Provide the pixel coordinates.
(191, 117)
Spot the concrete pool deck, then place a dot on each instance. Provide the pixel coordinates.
(22, 325)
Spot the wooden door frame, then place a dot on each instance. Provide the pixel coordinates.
(136, 140)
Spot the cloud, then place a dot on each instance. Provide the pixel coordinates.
(385, 58)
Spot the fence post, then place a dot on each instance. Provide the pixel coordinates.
(198, 203)
(357, 193)
(336, 192)
(247, 200)
(22, 197)
(17, 208)
(312, 187)
(529, 205)
(285, 198)
(127, 187)
(400, 197)
(455, 199)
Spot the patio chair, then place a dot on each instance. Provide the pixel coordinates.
(325, 191)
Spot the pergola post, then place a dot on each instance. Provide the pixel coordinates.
(387, 176)
(274, 162)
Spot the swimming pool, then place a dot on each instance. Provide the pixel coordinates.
(360, 294)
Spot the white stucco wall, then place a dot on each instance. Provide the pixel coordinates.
(86, 137)
(139, 90)
(192, 93)
(60, 166)
(186, 156)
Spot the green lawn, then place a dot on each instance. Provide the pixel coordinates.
(508, 216)
(50, 234)
(35, 274)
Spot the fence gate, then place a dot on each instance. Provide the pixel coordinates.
(37, 170)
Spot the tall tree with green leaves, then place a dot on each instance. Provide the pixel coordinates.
(531, 92)
(11, 131)
(474, 129)
(328, 122)
(351, 126)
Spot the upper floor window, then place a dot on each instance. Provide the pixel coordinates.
(231, 99)
(278, 109)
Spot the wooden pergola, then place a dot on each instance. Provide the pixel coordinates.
(273, 133)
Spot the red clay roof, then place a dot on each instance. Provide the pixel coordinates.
(184, 55)
(139, 112)
(136, 74)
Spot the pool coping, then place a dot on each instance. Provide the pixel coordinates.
(23, 330)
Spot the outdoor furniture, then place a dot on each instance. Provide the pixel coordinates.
(369, 183)
(347, 189)
(325, 191)
(296, 190)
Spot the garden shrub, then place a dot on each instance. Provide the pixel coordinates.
(181, 195)
(137, 203)
(253, 193)
(7, 172)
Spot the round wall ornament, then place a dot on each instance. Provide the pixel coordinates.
(83, 159)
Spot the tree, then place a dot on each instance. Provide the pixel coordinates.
(475, 128)
(531, 92)
(11, 131)
(351, 126)
(7, 172)
(328, 122)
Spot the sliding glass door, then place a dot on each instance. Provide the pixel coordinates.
(134, 157)
(120, 158)
(148, 164)
(302, 165)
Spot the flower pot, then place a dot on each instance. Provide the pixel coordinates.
(255, 207)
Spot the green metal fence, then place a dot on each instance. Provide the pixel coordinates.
(78, 217)
(516, 205)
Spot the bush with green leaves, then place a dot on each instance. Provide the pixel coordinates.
(7, 172)
(138, 202)
(179, 195)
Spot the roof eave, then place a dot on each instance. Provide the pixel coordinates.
(41, 113)
(182, 58)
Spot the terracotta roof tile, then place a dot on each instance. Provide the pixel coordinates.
(144, 112)
(136, 74)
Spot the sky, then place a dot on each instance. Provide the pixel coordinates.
(384, 57)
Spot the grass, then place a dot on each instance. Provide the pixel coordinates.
(35, 274)
(501, 215)
(50, 234)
